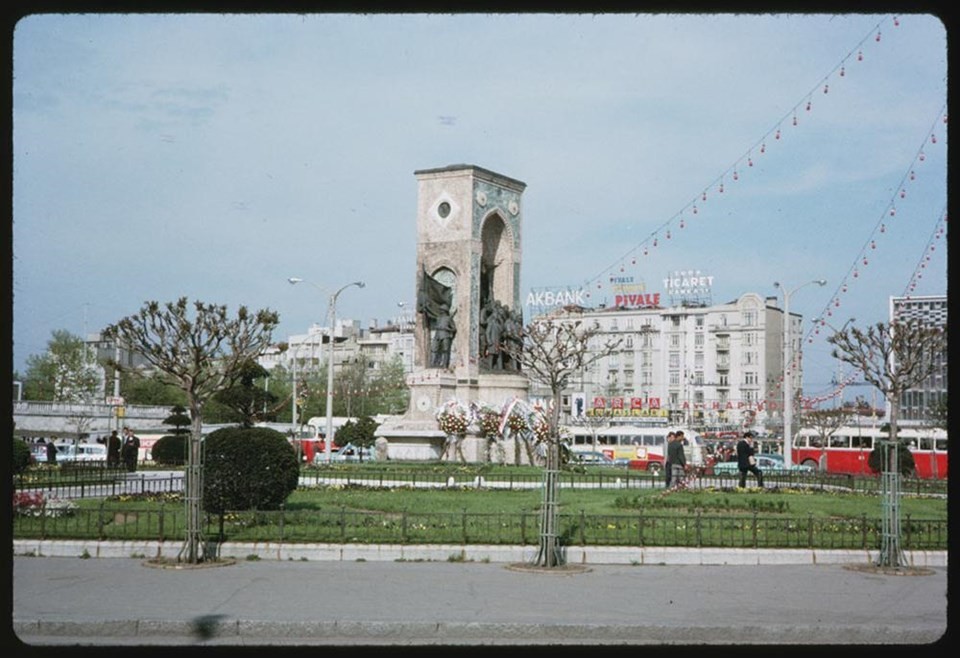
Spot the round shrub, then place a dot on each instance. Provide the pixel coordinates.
(21, 456)
(252, 468)
(171, 450)
(905, 459)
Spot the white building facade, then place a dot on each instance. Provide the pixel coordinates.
(714, 368)
(917, 405)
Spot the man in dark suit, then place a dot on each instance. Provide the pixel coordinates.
(746, 460)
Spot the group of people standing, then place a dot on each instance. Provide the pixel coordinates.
(125, 451)
(675, 464)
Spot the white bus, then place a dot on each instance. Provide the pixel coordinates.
(641, 448)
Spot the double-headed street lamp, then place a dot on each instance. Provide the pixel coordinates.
(787, 376)
(328, 441)
(332, 317)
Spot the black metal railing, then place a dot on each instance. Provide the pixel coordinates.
(166, 522)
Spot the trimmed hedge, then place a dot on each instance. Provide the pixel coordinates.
(171, 450)
(252, 468)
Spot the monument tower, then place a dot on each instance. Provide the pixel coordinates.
(468, 301)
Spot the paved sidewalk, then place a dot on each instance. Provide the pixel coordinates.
(120, 601)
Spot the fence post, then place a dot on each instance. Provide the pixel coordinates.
(281, 522)
(863, 532)
(403, 526)
(343, 524)
(523, 526)
(698, 528)
(583, 525)
(755, 545)
(906, 536)
(100, 521)
(809, 529)
(160, 520)
(463, 524)
(640, 528)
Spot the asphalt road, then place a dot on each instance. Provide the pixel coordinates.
(121, 601)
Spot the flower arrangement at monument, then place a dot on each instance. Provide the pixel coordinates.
(453, 418)
(488, 420)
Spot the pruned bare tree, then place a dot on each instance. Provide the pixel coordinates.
(553, 350)
(203, 355)
(825, 422)
(894, 357)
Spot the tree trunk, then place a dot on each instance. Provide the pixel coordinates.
(891, 554)
(193, 544)
(549, 554)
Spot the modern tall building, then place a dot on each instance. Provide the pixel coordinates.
(712, 367)
(918, 404)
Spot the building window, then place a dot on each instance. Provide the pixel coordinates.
(749, 318)
(698, 340)
(698, 322)
(674, 359)
(674, 378)
(675, 340)
(750, 378)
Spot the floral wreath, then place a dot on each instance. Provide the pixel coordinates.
(454, 418)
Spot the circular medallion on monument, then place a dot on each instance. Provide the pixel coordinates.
(513, 207)
(423, 403)
(444, 209)
(481, 198)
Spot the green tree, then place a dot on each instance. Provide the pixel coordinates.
(360, 432)
(21, 456)
(179, 419)
(152, 389)
(204, 353)
(246, 399)
(66, 372)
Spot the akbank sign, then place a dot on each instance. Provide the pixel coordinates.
(548, 298)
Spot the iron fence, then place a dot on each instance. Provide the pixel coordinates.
(166, 522)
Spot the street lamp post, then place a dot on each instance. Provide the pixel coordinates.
(328, 440)
(332, 317)
(787, 376)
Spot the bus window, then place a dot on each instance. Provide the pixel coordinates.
(840, 441)
(942, 445)
(926, 444)
(862, 442)
(649, 440)
(631, 440)
(604, 440)
(815, 442)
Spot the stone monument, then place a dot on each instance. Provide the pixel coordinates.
(468, 304)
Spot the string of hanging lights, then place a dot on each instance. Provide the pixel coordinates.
(741, 164)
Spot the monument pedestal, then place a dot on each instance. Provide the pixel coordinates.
(417, 436)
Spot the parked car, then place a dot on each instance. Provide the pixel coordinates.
(766, 462)
(347, 453)
(593, 458)
(70, 452)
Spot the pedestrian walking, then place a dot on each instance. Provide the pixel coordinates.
(667, 471)
(678, 461)
(51, 452)
(130, 450)
(747, 461)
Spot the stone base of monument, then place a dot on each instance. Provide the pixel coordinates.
(416, 436)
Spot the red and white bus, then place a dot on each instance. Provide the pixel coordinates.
(848, 449)
(640, 448)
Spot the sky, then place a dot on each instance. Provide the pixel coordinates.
(213, 156)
